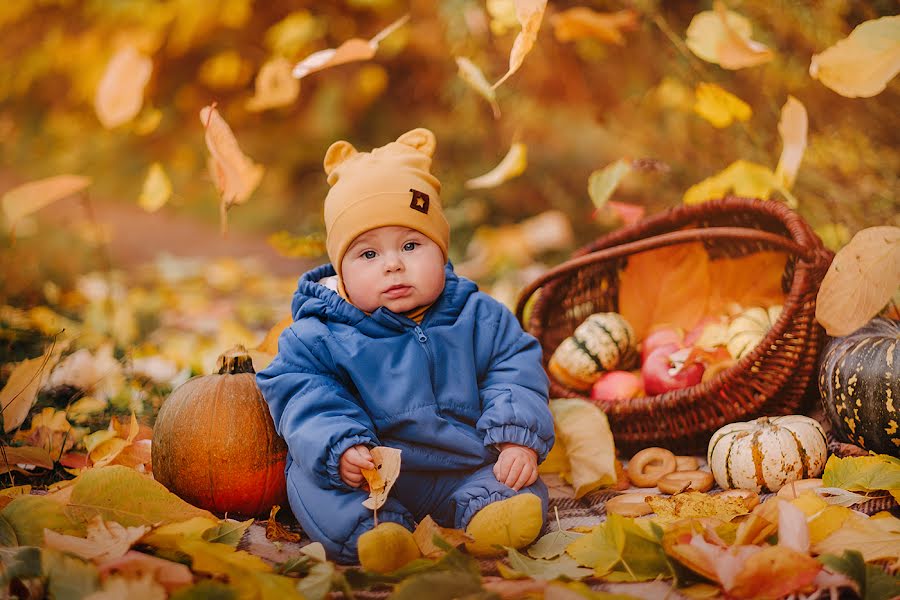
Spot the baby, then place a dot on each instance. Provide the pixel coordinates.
(389, 347)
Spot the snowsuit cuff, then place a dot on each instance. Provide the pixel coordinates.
(333, 463)
(518, 435)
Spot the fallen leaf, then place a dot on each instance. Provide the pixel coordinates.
(553, 544)
(862, 64)
(792, 127)
(729, 284)
(137, 565)
(474, 78)
(68, 576)
(104, 541)
(168, 537)
(529, 13)
(427, 529)
(695, 505)
(581, 22)
(774, 572)
(7, 495)
(117, 588)
(719, 107)
(862, 278)
(99, 372)
(29, 516)
(793, 531)
(352, 50)
(512, 165)
(10, 456)
(276, 531)
(157, 189)
(584, 431)
(722, 37)
(603, 182)
(535, 568)
(275, 86)
(120, 93)
(28, 198)
(49, 430)
(387, 462)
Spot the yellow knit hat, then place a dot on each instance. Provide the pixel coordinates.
(391, 185)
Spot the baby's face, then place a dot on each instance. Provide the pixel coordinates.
(395, 267)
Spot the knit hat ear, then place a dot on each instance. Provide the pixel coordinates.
(421, 139)
(337, 153)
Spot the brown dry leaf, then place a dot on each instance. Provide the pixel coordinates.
(729, 284)
(722, 37)
(387, 462)
(120, 93)
(275, 86)
(582, 22)
(792, 127)
(30, 197)
(529, 13)
(693, 505)
(512, 165)
(666, 285)
(105, 540)
(474, 78)
(110, 450)
(354, 49)
(49, 430)
(427, 529)
(276, 531)
(10, 456)
(137, 565)
(774, 572)
(862, 64)
(235, 175)
(20, 391)
(860, 281)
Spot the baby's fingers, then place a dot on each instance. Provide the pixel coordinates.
(526, 478)
(515, 471)
(359, 456)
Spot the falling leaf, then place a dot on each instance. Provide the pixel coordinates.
(603, 182)
(666, 285)
(104, 541)
(352, 50)
(387, 463)
(235, 175)
(862, 64)
(157, 189)
(137, 565)
(585, 433)
(10, 456)
(512, 165)
(225, 70)
(427, 529)
(722, 37)
(862, 278)
(142, 588)
(720, 107)
(275, 86)
(582, 22)
(472, 75)
(275, 530)
(28, 198)
(792, 127)
(120, 93)
(529, 13)
(742, 178)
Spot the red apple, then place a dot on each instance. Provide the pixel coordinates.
(666, 369)
(617, 385)
(660, 336)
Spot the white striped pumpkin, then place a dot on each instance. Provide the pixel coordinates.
(602, 342)
(747, 329)
(767, 453)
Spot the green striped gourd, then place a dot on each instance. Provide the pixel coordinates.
(859, 383)
(767, 453)
(748, 329)
(602, 342)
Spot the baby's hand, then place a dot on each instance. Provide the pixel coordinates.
(353, 460)
(516, 466)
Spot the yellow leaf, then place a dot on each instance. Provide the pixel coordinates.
(387, 465)
(529, 13)
(225, 70)
(354, 49)
(743, 178)
(82, 409)
(722, 37)
(103, 541)
(274, 86)
(792, 127)
(860, 281)
(28, 198)
(694, 505)
(876, 538)
(474, 78)
(584, 432)
(829, 520)
(144, 587)
(503, 16)
(720, 107)
(156, 190)
(512, 165)
(667, 285)
(582, 22)
(862, 64)
(169, 536)
(427, 529)
(20, 391)
(120, 93)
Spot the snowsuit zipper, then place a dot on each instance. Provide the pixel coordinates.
(423, 339)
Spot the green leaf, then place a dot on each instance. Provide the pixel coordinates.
(121, 494)
(19, 563)
(227, 532)
(30, 515)
(7, 533)
(206, 590)
(535, 568)
(553, 544)
(68, 577)
(603, 182)
(862, 473)
(642, 557)
(872, 582)
(442, 585)
(317, 584)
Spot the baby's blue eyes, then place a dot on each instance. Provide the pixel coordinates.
(407, 247)
(368, 254)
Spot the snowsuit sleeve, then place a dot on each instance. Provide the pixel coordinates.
(514, 388)
(312, 409)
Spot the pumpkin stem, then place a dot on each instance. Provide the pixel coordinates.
(235, 360)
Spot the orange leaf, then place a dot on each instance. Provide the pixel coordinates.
(774, 572)
(427, 529)
(582, 22)
(667, 285)
(121, 91)
(730, 285)
(30, 197)
(529, 13)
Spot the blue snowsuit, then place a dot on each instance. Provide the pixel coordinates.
(443, 392)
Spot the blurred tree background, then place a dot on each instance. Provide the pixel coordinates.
(577, 104)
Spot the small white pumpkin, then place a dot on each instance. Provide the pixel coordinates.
(602, 342)
(767, 453)
(747, 330)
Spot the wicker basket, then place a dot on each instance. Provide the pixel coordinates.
(773, 379)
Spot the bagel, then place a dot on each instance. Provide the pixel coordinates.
(629, 505)
(686, 463)
(647, 466)
(790, 491)
(682, 481)
(750, 497)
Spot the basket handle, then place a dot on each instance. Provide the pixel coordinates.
(660, 241)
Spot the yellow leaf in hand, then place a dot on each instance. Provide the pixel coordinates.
(720, 107)
(104, 541)
(792, 127)
(30, 197)
(512, 165)
(473, 76)
(156, 190)
(275, 86)
(582, 22)
(387, 464)
(862, 64)
(529, 13)
(722, 37)
(121, 91)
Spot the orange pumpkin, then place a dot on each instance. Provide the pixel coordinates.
(215, 445)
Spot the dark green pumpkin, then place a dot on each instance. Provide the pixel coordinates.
(859, 382)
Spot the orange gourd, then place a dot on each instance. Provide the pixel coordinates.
(215, 445)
